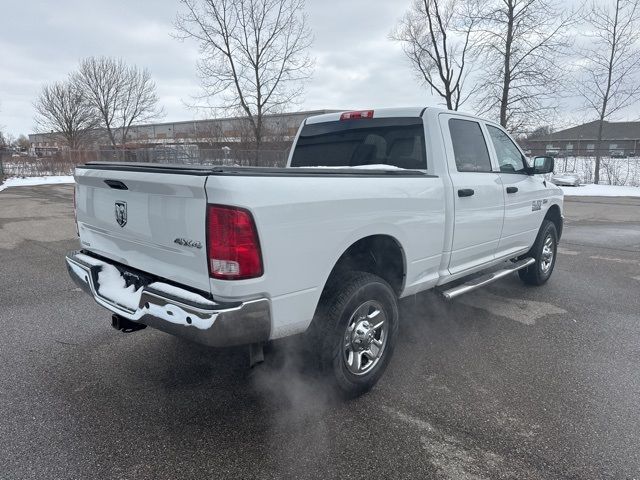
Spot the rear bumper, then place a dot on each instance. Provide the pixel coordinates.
(172, 309)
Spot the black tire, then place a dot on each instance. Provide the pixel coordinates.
(538, 273)
(329, 332)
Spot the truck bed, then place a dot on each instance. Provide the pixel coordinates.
(218, 170)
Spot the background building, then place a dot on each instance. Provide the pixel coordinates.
(619, 139)
(213, 133)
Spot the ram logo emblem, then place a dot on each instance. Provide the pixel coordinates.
(536, 205)
(121, 213)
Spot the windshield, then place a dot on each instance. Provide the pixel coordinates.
(397, 142)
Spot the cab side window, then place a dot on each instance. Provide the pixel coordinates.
(469, 147)
(509, 157)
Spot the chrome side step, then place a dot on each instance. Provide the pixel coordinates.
(483, 280)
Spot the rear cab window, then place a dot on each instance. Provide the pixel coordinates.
(469, 147)
(397, 142)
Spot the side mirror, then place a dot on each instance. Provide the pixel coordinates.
(542, 165)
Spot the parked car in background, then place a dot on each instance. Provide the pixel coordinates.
(566, 179)
(617, 154)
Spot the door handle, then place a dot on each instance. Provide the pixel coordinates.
(512, 189)
(465, 192)
(117, 184)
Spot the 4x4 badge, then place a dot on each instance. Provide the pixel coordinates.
(121, 213)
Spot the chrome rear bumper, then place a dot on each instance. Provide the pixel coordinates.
(169, 308)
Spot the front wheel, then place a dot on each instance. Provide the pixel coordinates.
(355, 330)
(544, 251)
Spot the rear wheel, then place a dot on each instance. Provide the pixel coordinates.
(355, 330)
(544, 251)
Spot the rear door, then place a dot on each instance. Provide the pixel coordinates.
(152, 220)
(477, 191)
(524, 194)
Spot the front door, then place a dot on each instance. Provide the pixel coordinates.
(477, 190)
(524, 195)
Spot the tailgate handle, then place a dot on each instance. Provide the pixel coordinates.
(117, 184)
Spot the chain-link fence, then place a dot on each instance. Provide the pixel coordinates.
(64, 162)
(613, 171)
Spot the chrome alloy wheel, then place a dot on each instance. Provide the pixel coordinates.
(546, 259)
(365, 338)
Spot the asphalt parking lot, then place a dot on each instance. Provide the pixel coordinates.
(507, 382)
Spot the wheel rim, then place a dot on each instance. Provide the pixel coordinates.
(548, 252)
(365, 338)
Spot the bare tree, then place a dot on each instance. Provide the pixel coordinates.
(541, 131)
(436, 36)
(9, 139)
(23, 143)
(522, 42)
(63, 108)
(253, 53)
(122, 95)
(3, 141)
(610, 75)
(210, 133)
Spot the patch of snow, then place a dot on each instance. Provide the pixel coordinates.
(90, 260)
(114, 287)
(32, 181)
(378, 166)
(179, 316)
(601, 191)
(180, 293)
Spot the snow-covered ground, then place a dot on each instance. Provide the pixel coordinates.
(601, 191)
(30, 181)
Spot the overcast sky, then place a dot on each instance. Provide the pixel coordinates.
(356, 65)
(41, 41)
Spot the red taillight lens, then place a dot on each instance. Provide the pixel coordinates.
(233, 249)
(356, 115)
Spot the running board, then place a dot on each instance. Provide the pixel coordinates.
(470, 286)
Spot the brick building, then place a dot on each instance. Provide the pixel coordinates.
(619, 139)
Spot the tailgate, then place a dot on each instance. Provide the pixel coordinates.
(152, 221)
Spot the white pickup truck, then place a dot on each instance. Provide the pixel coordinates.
(372, 207)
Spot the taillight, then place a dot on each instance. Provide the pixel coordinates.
(233, 249)
(356, 115)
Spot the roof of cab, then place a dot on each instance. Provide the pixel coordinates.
(377, 113)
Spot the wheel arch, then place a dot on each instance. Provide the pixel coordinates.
(379, 254)
(554, 215)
